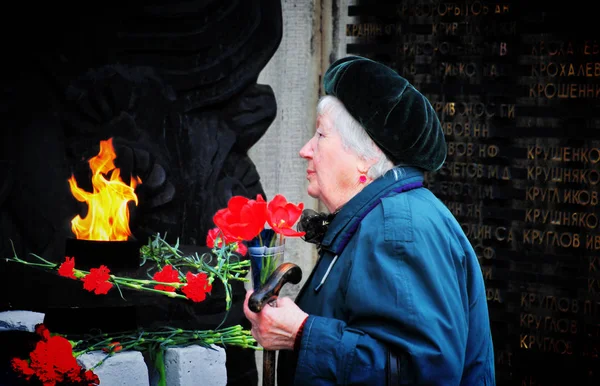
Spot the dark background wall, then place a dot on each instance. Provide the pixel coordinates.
(516, 86)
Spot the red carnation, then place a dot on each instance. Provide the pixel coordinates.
(197, 286)
(113, 347)
(241, 248)
(215, 237)
(166, 275)
(97, 280)
(53, 359)
(66, 268)
(52, 362)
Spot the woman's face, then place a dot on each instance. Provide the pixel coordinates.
(333, 172)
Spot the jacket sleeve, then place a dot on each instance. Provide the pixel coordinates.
(333, 353)
(406, 292)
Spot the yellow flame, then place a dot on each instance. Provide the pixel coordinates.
(108, 213)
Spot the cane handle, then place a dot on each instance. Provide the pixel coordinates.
(285, 273)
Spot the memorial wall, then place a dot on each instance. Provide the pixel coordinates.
(516, 87)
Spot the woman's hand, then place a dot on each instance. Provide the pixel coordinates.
(275, 328)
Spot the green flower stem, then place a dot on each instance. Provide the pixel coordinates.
(143, 340)
(139, 287)
(222, 272)
(264, 269)
(144, 282)
(241, 266)
(163, 254)
(45, 263)
(224, 279)
(41, 265)
(269, 264)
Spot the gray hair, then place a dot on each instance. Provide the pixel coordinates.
(355, 137)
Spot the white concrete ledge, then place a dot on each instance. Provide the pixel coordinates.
(122, 369)
(20, 320)
(195, 365)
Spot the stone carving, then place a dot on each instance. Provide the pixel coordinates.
(175, 85)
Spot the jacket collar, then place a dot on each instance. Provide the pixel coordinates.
(353, 211)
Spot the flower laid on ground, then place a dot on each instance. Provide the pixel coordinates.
(167, 275)
(197, 286)
(53, 362)
(67, 268)
(97, 280)
(113, 347)
(247, 220)
(175, 274)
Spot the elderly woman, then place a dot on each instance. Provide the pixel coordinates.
(397, 295)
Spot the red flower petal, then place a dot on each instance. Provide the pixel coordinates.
(242, 249)
(289, 232)
(197, 286)
(166, 275)
(42, 331)
(53, 361)
(102, 288)
(282, 215)
(243, 219)
(113, 347)
(66, 268)
(97, 280)
(236, 203)
(212, 237)
(21, 366)
(90, 377)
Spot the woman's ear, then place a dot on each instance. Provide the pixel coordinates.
(364, 165)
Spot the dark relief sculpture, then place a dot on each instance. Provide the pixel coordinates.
(175, 85)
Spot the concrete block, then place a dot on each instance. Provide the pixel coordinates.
(122, 369)
(20, 320)
(195, 365)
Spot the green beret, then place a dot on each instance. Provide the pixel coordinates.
(399, 119)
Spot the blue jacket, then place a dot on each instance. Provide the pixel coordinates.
(405, 279)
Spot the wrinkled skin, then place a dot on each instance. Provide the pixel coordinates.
(275, 328)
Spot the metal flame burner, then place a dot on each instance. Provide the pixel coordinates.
(88, 311)
(116, 255)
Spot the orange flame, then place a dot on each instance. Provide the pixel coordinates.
(108, 212)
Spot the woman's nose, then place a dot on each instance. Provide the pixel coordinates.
(306, 151)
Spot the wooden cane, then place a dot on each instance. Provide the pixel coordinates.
(267, 294)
